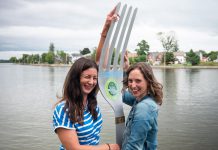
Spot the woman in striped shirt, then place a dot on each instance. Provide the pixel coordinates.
(77, 118)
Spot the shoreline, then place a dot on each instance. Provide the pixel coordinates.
(158, 67)
(185, 67)
(50, 65)
(154, 67)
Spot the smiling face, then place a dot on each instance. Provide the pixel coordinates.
(137, 84)
(88, 80)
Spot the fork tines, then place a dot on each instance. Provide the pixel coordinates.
(116, 40)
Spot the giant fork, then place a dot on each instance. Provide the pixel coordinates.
(110, 75)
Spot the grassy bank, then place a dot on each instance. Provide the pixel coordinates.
(180, 66)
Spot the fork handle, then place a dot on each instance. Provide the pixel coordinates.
(119, 122)
(119, 131)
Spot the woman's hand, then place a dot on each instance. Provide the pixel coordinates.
(112, 16)
(114, 147)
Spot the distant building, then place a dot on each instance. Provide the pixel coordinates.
(202, 58)
(180, 57)
(216, 60)
(75, 56)
(154, 58)
(132, 55)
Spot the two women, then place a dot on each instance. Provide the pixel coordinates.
(77, 118)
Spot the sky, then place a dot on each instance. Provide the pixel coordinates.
(31, 25)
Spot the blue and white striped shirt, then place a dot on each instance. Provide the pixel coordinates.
(88, 133)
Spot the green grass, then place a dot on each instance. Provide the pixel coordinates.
(208, 64)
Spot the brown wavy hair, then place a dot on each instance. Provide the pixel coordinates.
(72, 92)
(154, 87)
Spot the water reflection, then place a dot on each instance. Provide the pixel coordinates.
(184, 116)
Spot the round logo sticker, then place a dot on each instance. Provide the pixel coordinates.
(112, 89)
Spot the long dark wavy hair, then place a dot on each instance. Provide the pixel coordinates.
(154, 87)
(72, 92)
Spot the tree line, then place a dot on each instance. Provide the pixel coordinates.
(168, 40)
(50, 57)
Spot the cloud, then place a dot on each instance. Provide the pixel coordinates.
(73, 25)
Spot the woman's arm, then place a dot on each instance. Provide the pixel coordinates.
(126, 62)
(70, 141)
(110, 17)
(128, 98)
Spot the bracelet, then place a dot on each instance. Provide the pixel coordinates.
(108, 146)
(104, 36)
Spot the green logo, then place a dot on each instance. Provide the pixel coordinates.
(112, 89)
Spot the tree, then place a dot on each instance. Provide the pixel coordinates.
(169, 41)
(213, 55)
(30, 59)
(50, 57)
(85, 51)
(143, 49)
(131, 60)
(24, 59)
(44, 57)
(192, 58)
(13, 59)
(203, 53)
(93, 55)
(50, 54)
(51, 47)
(36, 58)
(169, 58)
(62, 56)
(141, 58)
(175, 47)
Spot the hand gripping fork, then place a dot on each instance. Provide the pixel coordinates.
(110, 77)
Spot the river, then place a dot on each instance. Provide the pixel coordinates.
(188, 118)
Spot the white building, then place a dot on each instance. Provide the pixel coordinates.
(180, 57)
(75, 56)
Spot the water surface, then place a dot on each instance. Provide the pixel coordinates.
(188, 118)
